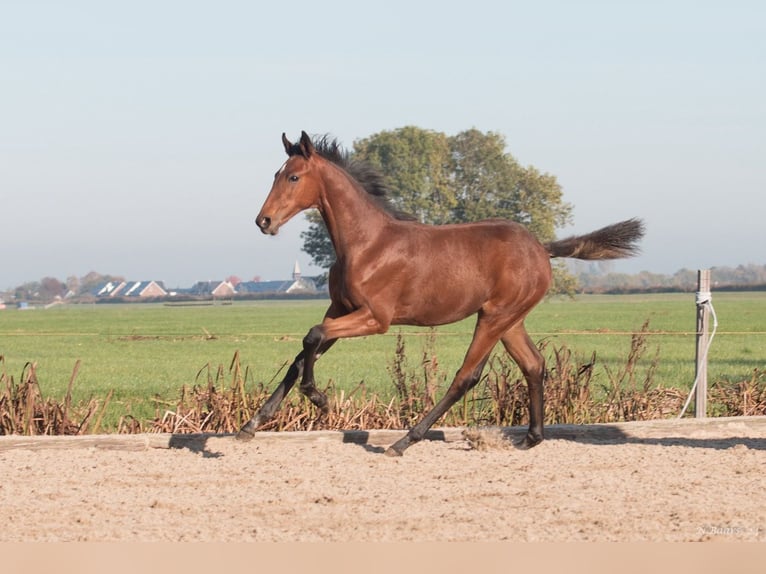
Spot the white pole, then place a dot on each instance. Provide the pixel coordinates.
(703, 320)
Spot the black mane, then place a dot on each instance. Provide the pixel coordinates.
(364, 173)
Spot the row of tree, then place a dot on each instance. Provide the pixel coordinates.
(50, 288)
(595, 278)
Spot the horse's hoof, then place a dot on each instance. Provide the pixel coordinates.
(391, 451)
(528, 442)
(245, 434)
(398, 448)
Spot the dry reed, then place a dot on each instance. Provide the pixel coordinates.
(24, 410)
(222, 398)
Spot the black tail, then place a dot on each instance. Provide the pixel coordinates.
(611, 242)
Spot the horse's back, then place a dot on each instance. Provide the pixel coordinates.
(491, 242)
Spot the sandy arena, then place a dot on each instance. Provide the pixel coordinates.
(653, 481)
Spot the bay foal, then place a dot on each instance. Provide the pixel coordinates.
(392, 270)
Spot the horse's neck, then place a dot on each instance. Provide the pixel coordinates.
(353, 219)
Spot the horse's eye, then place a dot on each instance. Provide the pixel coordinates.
(293, 178)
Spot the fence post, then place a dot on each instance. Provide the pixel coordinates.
(703, 320)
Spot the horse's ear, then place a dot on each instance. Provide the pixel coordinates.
(306, 147)
(287, 144)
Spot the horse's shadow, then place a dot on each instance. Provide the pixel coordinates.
(197, 443)
(606, 434)
(602, 434)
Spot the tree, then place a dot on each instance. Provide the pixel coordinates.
(417, 165)
(316, 242)
(50, 288)
(466, 177)
(73, 284)
(29, 291)
(490, 183)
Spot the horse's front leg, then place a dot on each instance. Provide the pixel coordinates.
(269, 408)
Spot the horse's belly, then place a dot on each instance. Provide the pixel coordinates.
(435, 308)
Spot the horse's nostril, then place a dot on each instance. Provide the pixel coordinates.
(263, 222)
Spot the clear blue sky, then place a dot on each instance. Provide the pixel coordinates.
(140, 138)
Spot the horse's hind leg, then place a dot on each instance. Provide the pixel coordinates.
(532, 365)
(267, 410)
(484, 339)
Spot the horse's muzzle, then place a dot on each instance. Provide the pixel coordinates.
(264, 224)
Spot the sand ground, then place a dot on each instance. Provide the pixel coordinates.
(655, 481)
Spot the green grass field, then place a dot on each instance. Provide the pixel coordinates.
(143, 351)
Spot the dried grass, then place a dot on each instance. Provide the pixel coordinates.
(746, 398)
(24, 410)
(223, 398)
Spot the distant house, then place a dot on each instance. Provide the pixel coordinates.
(144, 289)
(108, 289)
(119, 290)
(263, 287)
(298, 285)
(212, 288)
(131, 289)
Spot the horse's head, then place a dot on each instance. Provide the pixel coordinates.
(295, 187)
